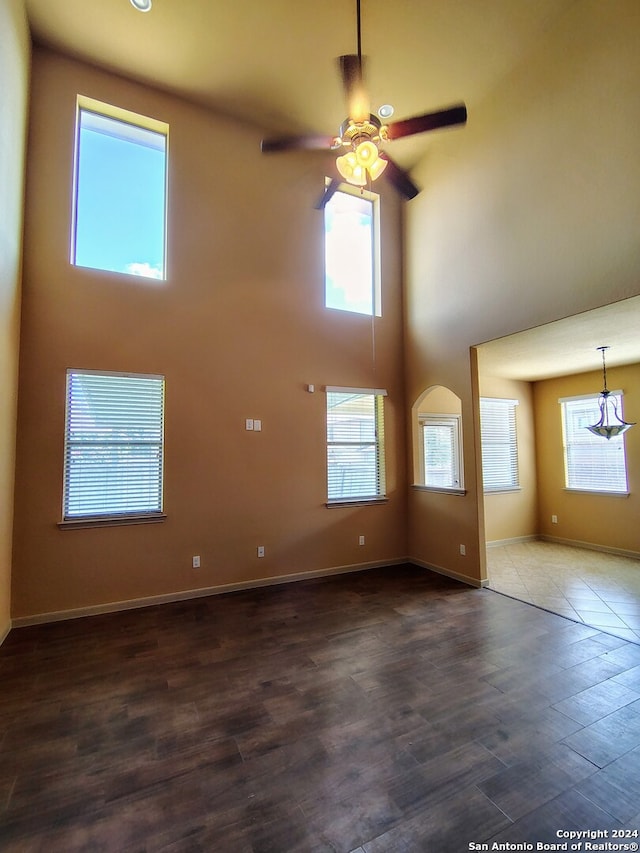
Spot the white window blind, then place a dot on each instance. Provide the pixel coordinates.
(355, 445)
(499, 444)
(441, 451)
(113, 445)
(592, 463)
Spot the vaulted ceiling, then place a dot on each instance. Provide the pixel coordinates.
(272, 63)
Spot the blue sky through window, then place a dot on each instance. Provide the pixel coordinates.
(349, 272)
(120, 204)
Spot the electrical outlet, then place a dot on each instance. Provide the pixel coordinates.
(463, 551)
(260, 550)
(361, 540)
(195, 562)
(248, 424)
(257, 425)
(554, 519)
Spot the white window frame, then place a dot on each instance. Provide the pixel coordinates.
(453, 423)
(98, 489)
(374, 440)
(499, 440)
(135, 128)
(605, 454)
(376, 287)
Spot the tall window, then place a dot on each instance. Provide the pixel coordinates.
(592, 463)
(440, 446)
(120, 191)
(355, 444)
(113, 445)
(351, 250)
(499, 444)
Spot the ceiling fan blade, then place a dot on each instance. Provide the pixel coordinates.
(351, 72)
(399, 178)
(431, 121)
(297, 143)
(329, 191)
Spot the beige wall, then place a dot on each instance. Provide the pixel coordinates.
(528, 214)
(606, 520)
(14, 87)
(238, 330)
(511, 515)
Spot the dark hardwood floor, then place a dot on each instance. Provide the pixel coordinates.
(390, 710)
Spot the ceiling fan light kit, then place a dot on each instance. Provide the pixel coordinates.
(363, 133)
(361, 165)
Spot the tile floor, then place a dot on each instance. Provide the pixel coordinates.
(601, 590)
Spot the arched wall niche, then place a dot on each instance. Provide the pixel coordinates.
(440, 407)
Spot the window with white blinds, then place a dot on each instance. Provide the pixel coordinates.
(441, 451)
(592, 463)
(499, 444)
(113, 459)
(355, 444)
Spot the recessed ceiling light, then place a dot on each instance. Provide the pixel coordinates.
(385, 111)
(141, 5)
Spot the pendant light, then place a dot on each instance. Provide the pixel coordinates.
(610, 423)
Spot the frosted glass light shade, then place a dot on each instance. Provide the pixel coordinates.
(377, 168)
(366, 153)
(351, 170)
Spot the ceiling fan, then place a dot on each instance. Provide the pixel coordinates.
(362, 133)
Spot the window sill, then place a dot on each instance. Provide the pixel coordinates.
(110, 521)
(598, 492)
(444, 490)
(503, 491)
(356, 502)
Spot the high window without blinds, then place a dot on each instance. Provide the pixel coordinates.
(351, 251)
(120, 191)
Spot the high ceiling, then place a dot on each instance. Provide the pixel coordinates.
(273, 63)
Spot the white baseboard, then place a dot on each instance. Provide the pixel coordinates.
(590, 546)
(449, 574)
(515, 540)
(185, 595)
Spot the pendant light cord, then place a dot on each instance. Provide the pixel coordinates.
(604, 368)
(373, 313)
